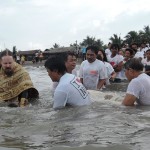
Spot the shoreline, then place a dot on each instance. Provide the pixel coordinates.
(30, 63)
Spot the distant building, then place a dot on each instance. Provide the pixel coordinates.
(29, 55)
(58, 51)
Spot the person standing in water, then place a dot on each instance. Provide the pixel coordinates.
(92, 71)
(69, 90)
(70, 63)
(138, 88)
(16, 87)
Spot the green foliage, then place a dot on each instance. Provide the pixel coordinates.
(91, 41)
(138, 37)
(115, 39)
(131, 37)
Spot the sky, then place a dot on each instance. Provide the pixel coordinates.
(39, 24)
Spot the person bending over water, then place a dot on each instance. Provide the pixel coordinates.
(69, 90)
(16, 87)
(138, 88)
(70, 63)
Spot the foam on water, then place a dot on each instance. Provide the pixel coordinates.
(106, 97)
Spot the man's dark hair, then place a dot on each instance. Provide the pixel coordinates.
(135, 64)
(93, 49)
(6, 53)
(115, 46)
(133, 44)
(129, 50)
(65, 55)
(56, 63)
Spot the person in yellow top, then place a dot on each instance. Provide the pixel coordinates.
(16, 87)
(22, 60)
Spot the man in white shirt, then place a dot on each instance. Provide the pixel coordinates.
(70, 91)
(92, 71)
(70, 63)
(138, 88)
(116, 61)
(108, 51)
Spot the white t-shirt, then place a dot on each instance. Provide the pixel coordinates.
(92, 73)
(74, 72)
(144, 49)
(109, 70)
(18, 57)
(107, 52)
(139, 54)
(145, 62)
(70, 91)
(115, 61)
(140, 88)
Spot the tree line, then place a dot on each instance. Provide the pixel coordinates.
(137, 37)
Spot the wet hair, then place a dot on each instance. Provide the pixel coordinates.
(93, 49)
(65, 55)
(115, 46)
(56, 63)
(129, 50)
(6, 53)
(135, 64)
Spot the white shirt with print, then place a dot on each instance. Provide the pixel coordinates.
(115, 61)
(70, 91)
(92, 73)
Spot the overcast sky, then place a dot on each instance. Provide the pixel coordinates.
(31, 24)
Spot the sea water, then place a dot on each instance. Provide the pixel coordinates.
(104, 125)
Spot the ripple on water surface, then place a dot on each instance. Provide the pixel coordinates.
(105, 124)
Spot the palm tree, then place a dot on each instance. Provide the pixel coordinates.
(145, 35)
(132, 37)
(99, 43)
(92, 41)
(88, 41)
(115, 39)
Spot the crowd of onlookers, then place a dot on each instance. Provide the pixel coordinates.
(99, 69)
(115, 59)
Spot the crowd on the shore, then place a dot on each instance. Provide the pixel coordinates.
(21, 59)
(98, 69)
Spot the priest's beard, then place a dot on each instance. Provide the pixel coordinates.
(9, 72)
